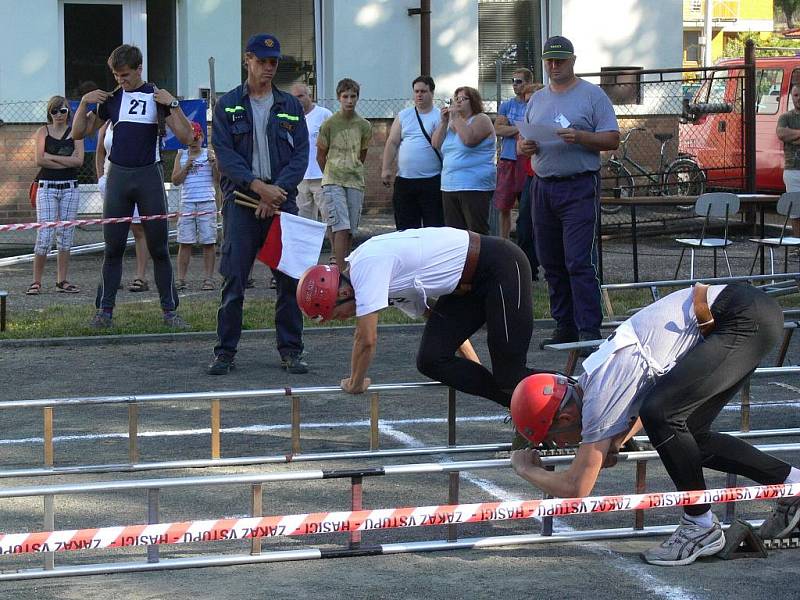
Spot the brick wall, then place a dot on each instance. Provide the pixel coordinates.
(18, 170)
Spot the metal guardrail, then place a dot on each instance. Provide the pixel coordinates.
(356, 476)
(788, 281)
(215, 398)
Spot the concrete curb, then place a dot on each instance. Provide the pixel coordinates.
(101, 340)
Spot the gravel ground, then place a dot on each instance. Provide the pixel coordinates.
(178, 430)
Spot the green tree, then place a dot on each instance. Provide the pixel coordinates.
(788, 8)
(735, 47)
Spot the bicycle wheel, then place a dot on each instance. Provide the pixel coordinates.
(684, 177)
(614, 175)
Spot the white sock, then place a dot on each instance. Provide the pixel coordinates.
(705, 520)
(794, 476)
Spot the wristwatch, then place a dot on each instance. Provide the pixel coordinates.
(174, 103)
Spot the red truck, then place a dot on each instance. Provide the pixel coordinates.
(713, 127)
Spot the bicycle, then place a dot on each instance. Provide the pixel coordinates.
(681, 177)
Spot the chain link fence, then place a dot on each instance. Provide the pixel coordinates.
(679, 137)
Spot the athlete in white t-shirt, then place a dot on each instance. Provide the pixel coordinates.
(458, 280)
(671, 368)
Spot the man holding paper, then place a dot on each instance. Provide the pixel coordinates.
(261, 141)
(567, 124)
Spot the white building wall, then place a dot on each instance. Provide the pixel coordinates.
(30, 50)
(376, 43)
(209, 28)
(643, 33)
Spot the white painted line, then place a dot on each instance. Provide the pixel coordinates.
(246, 429)
(785, 386)
(638, 572)
(259, 429)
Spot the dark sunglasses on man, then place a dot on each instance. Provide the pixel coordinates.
(516, 81)
(59, 111)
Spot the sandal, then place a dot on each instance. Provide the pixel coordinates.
(67, 287)
(34, 289)
(180, 285)
(138, 285)
(208, 285)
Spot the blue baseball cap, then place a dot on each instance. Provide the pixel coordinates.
(264, 45)
(558, 47)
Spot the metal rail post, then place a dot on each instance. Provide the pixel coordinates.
(47, 414)
(641, 486)
(49, 525)
(133, 432)
(256, 510)
(374, 437)
(215, 419)
(152, 517)
(295, 425)
(356, 503)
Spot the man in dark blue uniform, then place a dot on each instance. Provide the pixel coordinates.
(261, 141)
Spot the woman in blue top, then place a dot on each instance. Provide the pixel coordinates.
(466, 138)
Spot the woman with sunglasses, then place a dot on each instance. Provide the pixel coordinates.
(466, 138)
(57, 198)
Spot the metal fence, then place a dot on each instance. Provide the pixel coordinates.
(678, 138)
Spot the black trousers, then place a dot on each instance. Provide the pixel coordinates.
(678, 411)
(417, 203)
(501, 298)
(126, 188)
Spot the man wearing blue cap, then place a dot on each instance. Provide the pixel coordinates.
(261, 141)
(566, 189)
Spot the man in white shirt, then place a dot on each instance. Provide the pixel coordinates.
(417, 197)
(671, 368)
(309, 191)
(458, 280)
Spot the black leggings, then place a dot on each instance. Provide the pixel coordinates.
(678, 411)
(143, 187)
(501, 297)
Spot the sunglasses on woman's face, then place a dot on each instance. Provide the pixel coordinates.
(59, 111)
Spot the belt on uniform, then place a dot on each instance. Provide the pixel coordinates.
(58, 186)
(470, 264)
(568, 177)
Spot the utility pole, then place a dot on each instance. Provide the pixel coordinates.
(424, 12)
(707, 32)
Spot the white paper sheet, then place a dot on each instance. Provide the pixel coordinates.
(538, 133)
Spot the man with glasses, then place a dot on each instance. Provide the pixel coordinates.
(566, 189)
(417, 197)
(261, 142)
(510, 170)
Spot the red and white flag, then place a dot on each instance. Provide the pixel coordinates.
(293, 244)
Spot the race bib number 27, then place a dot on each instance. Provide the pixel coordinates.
(138, 107)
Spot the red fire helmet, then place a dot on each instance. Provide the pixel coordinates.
(535, 402)
(317, 291)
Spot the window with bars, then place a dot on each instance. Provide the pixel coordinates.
(508, 30)
(292, 22)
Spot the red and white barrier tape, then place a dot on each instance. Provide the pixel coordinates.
(106, 221)
(365, 520)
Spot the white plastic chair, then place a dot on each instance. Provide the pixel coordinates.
(788, 205)
(719, 205)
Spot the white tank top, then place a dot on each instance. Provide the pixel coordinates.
(108, 139)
